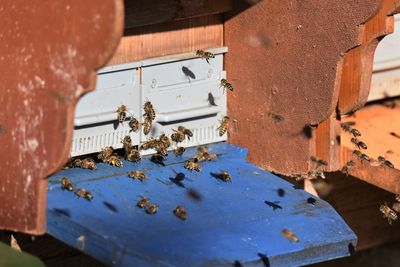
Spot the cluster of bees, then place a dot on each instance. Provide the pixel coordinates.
(388, 212)
(160, 145)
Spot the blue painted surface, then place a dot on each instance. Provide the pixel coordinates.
(231, 222)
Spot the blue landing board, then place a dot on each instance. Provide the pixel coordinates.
(229, 226)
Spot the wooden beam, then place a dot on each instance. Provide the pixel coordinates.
(147, 12)
(169, 38)
(48, 60)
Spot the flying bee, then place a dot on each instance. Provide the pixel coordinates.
(122, 113)
(365, 157)
(348, 165)
(105, 153)
(191, 165)
(147, 124)
(114, 160)
(133, 155)
(224, 176)
(149, 111)
(345, 127)
(223, 128)
(357, 153)
(137, 175)
(143, 202)
(179, 151)
(178, 136)
(180, 212)
(385, 162)
(358, 143)
(185, 131)
(276, 117)
(226, 85)
(84, 193)
(66, 184)
(355, 132)
(318, 162)
(388, 213)
(134, 125)
(151, 209)
(290, 235)
(165, 140)
(205, 55)
(158, 159)
(194, 194)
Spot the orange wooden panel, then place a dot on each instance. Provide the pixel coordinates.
(169, 38)
(380, 128)
(49, 51)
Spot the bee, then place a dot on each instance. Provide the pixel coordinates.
(355, 132)
(388, 213)
(133, 155)
(348, 165)
(226, 85)
(185, 131)
(358, 143)
(114, 160)
(160, 148)
(149, 111)
(191, 165)
(224, 176)
(137, 175)
(385, 162)
(105, 153)
(315, 174)
(179, 151)
(365, 157)
(127, 143)
(151, 209)
(180, 212)
(165, 140)
(290, 235)
(397, 197)
(396, 206)
(203, 155)
(143, 202)
(345, 127)
(223, 128)
(151, 143)
(357, 153)
(134, 125)
(66, 184)
(86, 163)
(277, 118)
(318, 162)
(178, 136)
(147, 125)
(158, 159)
(205, 55)
(121, 113)
(84, 193)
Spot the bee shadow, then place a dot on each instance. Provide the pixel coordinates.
(110, 206)
(64, 212)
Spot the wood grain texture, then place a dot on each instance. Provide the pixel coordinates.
(169, 38)
(376, 123)
(287, 64)
(47, 61)
(147, 12)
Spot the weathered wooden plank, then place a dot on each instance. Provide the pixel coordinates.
(147, 12)
(169, 38)
(290, 69)
(47, 62)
